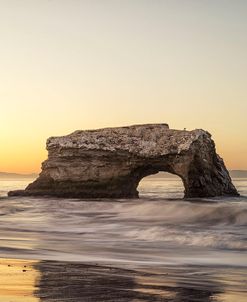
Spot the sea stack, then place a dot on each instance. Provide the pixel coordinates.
(110, 162)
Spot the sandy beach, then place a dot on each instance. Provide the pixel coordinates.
(30, 281)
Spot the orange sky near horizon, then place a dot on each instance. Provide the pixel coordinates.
(68, 65)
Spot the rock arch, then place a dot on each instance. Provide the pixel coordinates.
(142, 175)
(110, 162)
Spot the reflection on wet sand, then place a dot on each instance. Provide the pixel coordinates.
(17, 280)
(65, 281)
(32, 281)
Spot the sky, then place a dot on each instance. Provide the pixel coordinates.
(82, 64)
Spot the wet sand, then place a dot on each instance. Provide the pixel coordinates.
(31, 281)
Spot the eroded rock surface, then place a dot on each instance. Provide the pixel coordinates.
(111, 162)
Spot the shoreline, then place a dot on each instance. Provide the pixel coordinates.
(46, 280)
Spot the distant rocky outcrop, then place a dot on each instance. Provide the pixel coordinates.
(7, 175)
(238, 173)
(110, 162)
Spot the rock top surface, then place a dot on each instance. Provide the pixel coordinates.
(143, 140)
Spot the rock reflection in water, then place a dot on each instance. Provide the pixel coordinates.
(49, 281)
(79, 282)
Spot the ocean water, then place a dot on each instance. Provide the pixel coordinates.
(160, 247)
(158, 228)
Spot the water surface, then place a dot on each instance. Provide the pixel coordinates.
(158, 231)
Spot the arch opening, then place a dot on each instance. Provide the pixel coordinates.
(161, 185)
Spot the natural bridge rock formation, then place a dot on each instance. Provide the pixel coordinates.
(111, 162)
